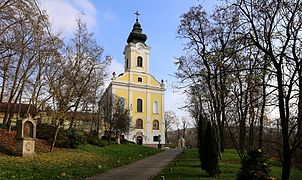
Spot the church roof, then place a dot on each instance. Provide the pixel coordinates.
(136, 34)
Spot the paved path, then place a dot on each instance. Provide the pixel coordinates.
(142, 169)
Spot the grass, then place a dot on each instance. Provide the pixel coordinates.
(187, 167)
(71, 164)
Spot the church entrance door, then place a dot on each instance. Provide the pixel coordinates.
(139, 140)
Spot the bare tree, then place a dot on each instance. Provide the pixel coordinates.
(88, 69)
(170, 120)
(116, 117)
(275, 27)
(76, 75)
(26, 45)
(224, 75)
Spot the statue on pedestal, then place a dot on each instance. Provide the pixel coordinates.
(26, 135)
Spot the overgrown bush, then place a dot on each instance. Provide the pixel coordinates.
(106, 138)
(125, 141)
(65, 139)
(75, 138)
(47, 132)
(2, 126)
(95, 140)
(297, 158)
(254, 166)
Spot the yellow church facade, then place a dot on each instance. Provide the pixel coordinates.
(143, 94)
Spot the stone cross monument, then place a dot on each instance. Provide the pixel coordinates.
(26, 135)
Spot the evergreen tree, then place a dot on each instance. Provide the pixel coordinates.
(208, 147)
(254, 166)
(201, 129)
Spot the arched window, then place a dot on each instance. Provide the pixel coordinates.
(155, 107)
(155, 125)
(139, 124)
(139, 61)
(139, 79)
(139, 105)
(126, 64)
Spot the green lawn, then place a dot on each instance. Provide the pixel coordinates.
(186, 166)
(71, 164)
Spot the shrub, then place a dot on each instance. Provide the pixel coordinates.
(95, 140)
(254, 166)
(125, 141)
(106, 138)
(75, 138)
(2, 126)
(45, 131)
(65, 139)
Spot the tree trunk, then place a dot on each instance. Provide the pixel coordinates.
(201, 129)
(261, 120)
(286, 164)
(221, 127)
(109, 137)
(300, 105)
(184, 133)
(242, 124)
(3, 84)
(55, 137)
(166, 137)
(284, 117)
(251, 133)
(7, 112)
(251, 121)
(223, 94)
(263, 104)
(242, 133)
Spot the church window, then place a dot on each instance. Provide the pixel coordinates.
(139, 105)
(139, 79)
(155, 125)
(126, 64)
(139, 124)
(155, 138)
(139, 61)
(155, 107)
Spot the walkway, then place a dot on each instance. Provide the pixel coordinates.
(142, 169)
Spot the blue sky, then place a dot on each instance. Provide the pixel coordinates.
(112, 20)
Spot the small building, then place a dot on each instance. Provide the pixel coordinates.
(181, 142)
(86, 121)
(17, 110)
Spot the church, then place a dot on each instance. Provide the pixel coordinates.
(143, 94)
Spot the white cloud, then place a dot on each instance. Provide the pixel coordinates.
(63, 14)
(175, 100)
(108, 15)
(114, 67)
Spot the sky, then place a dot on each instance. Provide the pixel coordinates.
(111, 22)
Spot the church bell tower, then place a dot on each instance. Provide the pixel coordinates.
(136, 52)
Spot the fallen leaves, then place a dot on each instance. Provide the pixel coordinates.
(8, 143)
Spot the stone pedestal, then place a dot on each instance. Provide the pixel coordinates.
(25, 147)
(181, 142)
(26, 135)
